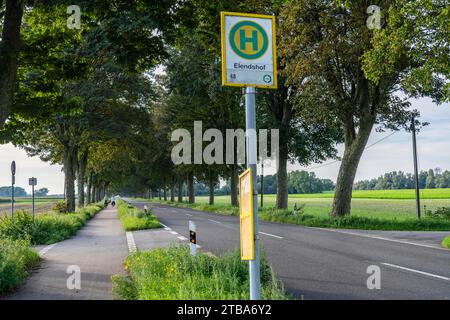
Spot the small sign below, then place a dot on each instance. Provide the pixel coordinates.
(13, 168)
(32, 181)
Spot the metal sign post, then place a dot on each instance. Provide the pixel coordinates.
(32, 182)
(249, 60)
(13, 182)
(250, 124)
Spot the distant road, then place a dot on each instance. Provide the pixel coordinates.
(325, 264)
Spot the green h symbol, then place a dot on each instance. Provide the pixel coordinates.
(253, 39)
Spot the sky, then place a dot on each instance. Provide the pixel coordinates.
(393, 153)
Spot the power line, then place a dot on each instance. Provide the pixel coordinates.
(369, 146)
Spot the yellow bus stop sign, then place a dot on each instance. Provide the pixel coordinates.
(248, 50)
(246, 215)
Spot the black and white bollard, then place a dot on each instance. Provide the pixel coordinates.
(192, 238)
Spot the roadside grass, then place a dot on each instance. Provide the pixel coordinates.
(46, 228)
(173, 274)
(368, 214)
(133, 218)
(446, 242)
(16, 259)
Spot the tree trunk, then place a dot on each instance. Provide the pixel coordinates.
(165, 193)
(89, 189)
(94, 190)
(354, 148)
(282, 178)
(180, 191)
(9, 51)
(191, 189)
(82, 163)
(97, 194)
(172, 192)
(69, 165)
(159, 193)
(212, 183)
(234, 185)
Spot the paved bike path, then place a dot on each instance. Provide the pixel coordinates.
(98, 250)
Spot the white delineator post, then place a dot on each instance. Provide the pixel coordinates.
(192, 238)
(250, 123)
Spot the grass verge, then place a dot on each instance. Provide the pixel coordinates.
(173, 274)
(46, 228)
(446, 242)
(133, 218)
(393, 223)
(16, 259)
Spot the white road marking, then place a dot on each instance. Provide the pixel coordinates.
(189, 215)
(165, 227)
(173, 210)
(182, 238)
(130, 242)
(173, 232)
(214, 221)
(271, 235)
(382, 238)
(416, 271)
(44, 250)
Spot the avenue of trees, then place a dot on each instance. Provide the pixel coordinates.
(299, 182)
(104, 99)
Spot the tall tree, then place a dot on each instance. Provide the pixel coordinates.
(11, 13)
(324, 46)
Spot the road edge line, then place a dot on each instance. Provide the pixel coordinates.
(416, 271)
(379, 238)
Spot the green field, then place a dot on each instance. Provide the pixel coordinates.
(375, 208)
(385, 194)
(25, 200)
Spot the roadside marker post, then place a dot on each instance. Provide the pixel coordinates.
(249, 60)
(13, 182)
(192, 238)
(32, 182)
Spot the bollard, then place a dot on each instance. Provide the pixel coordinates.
(192, 238)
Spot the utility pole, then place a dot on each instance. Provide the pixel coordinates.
(13, 182)
(250, 123)
(416, 173)
(262, 182)
(32, 182)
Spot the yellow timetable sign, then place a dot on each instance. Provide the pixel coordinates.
(246, 215)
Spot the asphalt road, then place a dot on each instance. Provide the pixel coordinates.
(325, 264)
